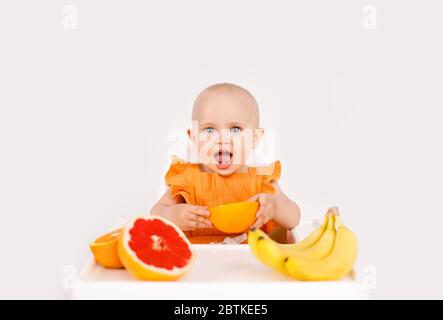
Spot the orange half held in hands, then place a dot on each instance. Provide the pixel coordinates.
(153, 248)
(105, 251)
(234, 217)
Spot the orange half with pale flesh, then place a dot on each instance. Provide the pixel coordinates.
(105, 250)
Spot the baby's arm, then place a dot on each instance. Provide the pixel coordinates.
(277, 207)
(287, 211)
(185, 216)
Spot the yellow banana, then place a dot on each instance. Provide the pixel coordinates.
(328, 253)
(267, 250)
(272, 254)
(322, 246)
(310, 240)
(337, 264)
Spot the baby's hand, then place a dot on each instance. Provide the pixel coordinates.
(189, 217)
(266, 210)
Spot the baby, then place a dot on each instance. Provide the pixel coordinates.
(226, 128)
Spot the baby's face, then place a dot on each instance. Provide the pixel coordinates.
(225, 130)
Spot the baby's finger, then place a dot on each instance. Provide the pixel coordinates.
(260, 212)
(202, 222)
(262, 198)
(188, 225)
(253, 198)
(193, 224)
(258, 223)
(264, 217)
(202, 211)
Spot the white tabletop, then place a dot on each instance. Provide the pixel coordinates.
(221, 271)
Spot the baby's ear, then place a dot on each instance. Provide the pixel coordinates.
(258, 134)
(191, 135)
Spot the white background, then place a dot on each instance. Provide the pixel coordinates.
(85, 115)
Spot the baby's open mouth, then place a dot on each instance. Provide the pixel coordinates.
(223, 158)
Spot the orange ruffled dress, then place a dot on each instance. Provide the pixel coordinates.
(211, 189)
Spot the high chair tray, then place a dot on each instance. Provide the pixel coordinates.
(220, 271)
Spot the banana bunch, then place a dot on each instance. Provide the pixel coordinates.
(328, 253)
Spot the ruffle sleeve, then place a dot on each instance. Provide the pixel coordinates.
(268, 174)
(177, 179)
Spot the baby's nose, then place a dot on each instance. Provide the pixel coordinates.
(224, 136)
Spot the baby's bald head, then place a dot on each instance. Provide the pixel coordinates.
(227, 98)
(225, 127)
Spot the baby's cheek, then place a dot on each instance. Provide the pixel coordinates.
(205, 152)
(237, 147)
(206, 160)
(237, 157)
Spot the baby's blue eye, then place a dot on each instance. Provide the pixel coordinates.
(235, 129)
(209, 130)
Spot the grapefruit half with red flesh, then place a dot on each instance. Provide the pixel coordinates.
(153, 248)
